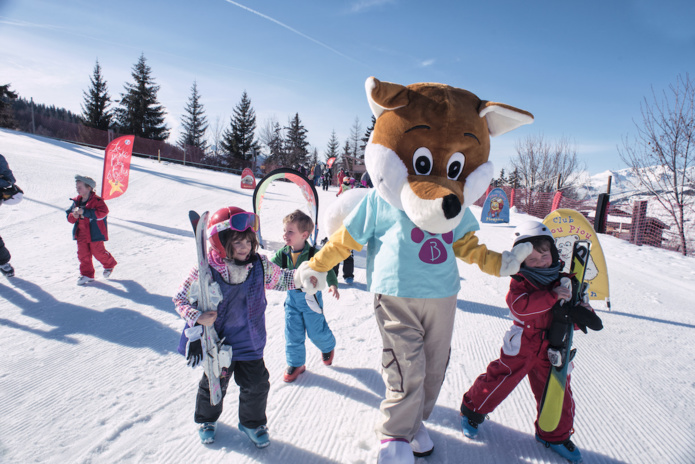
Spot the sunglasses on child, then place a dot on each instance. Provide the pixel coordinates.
(239, 222)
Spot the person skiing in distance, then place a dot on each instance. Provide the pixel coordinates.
(535, 294)
(9, 194)
(243, 276)
(303, 312)
(88, 213)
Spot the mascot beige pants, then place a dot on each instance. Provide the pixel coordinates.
(416, 337)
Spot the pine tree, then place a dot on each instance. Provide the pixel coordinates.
(368, 134)
(194, 123)
(238, 140)
(139, 112)
(333, 146)
(95, 109)
(345, 161)
(501, 180)
(7, 96)
(295, 142)
(513, 179)
(276, 146)
(355, 141)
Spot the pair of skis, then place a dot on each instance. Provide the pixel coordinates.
(216, 355)
(554, 394)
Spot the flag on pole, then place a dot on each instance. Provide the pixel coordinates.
(116, 167)
(330, 161)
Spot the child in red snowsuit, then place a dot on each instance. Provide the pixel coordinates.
(533, 299)
(88, 213)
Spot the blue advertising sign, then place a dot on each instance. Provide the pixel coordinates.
(496, 208)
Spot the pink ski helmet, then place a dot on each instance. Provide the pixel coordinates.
(229, 218)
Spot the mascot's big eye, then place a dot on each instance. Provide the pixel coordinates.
(455, 165)
(422, 161)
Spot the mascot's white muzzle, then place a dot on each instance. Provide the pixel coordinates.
(437, 216)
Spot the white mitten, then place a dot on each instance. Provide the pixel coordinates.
(302, 279)
(194, 333)
(511, 260)
(195, 354)
(567, 283)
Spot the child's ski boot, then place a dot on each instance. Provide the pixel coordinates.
(327, 358)
(7, 270)
(470, 420)
(565, 449)
(207, 432)
(292, 372)
(469, 427)
(259, 436)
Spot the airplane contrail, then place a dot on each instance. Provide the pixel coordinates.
(292, 29)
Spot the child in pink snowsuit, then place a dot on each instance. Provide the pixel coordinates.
(534, 303)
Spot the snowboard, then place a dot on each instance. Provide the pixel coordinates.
(554, 394)
(210, 340)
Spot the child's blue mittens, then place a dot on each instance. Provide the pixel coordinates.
(302, 279)
(511, 260)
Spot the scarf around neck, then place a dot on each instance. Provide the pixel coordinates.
(540, 276)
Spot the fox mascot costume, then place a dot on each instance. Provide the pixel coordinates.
(428, 160)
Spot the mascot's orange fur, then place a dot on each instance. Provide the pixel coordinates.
(428, 160)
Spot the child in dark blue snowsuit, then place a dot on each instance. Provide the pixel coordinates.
(303, 312)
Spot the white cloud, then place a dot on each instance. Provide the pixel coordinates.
(364, 5)
(427, 63)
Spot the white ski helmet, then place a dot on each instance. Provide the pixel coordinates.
(530, 229)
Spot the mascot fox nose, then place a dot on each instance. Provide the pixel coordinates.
(451, 206)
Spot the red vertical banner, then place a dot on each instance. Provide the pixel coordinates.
(114, 182)
(248, 180)
(556, 200)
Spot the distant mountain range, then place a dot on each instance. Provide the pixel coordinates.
(624, 184)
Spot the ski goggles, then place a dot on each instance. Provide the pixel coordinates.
(239, 222)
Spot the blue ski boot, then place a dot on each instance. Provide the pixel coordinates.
(470, 420)
(259, 436)
(565, 449)
(207, 432)
(469, 427)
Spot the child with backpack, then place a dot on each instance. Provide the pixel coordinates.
(303, 312)
(243, 277)
(535, 301)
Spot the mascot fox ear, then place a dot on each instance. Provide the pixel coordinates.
(500, 118)
(384, 96)
(503, 118)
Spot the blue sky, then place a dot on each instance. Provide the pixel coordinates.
(582, 68)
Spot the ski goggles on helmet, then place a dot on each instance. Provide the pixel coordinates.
(239, 222)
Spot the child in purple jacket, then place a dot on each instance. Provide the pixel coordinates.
(243, 277)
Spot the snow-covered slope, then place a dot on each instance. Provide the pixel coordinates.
(90, 374)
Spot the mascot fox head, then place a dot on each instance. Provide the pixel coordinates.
(428, 152)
